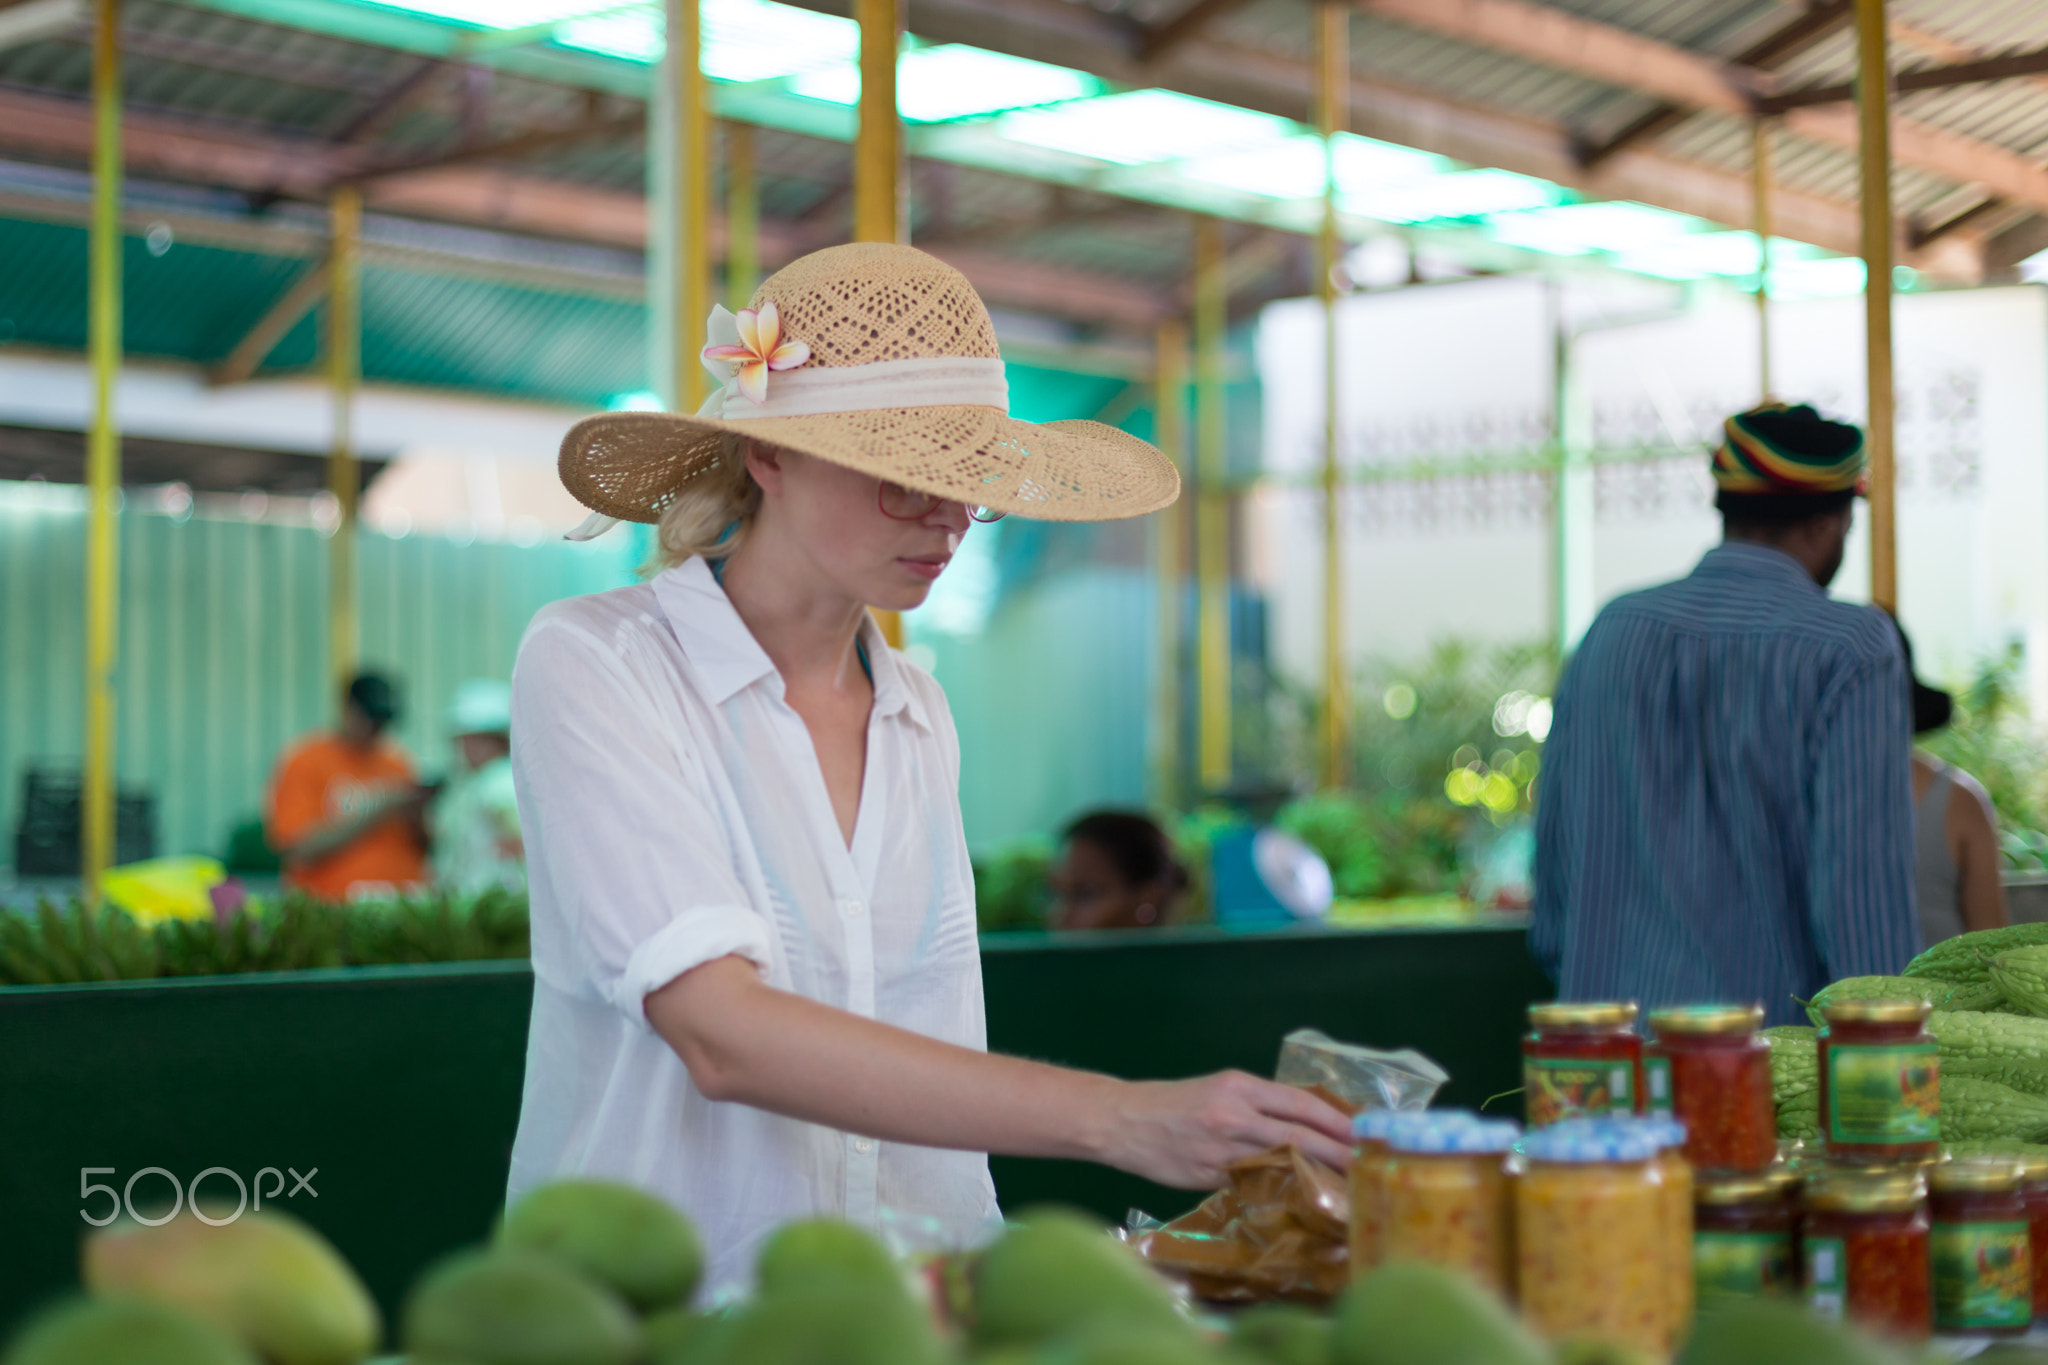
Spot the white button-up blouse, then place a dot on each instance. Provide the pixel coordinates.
(674, 812)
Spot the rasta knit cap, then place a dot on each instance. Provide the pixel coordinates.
(1783, 462)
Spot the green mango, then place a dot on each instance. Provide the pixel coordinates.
(815, 1251)
(833, 1323)
(1282, 1334)
(1415, 1314)
(1765, 1333)
(504, 1307)
(1058, 1271)
(125, 1330)
(635, 1242)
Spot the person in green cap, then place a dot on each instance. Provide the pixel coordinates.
(1725, 811)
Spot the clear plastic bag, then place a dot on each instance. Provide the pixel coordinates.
(1356, 1078)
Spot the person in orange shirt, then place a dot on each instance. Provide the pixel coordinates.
(345, 809)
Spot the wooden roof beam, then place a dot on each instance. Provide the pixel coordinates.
(1618, 57)
(1162, 38)
(1973, 72)
(261, 339)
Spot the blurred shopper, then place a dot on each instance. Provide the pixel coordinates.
(345, 808)
(475, 818)
(1725, 810)
(1956, 859)
(1115, 870)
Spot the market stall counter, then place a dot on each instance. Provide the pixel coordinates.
(379, 1104)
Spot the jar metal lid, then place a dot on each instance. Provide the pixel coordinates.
(1699, 1019)
(1740, 1189)
(1977, 1175)
(1866, 1191)
(1893, 1011)
(1583, 1014)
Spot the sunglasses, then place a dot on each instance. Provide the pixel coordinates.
(907, 504)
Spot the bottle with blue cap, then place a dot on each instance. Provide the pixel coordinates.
(1445, 1195)
(1593, 1247)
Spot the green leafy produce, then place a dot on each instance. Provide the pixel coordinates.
(1966, 958)
(1779, 1334)
(131, 1331)
(2021, 975)
(620, 1236)
(1415, 1314)
(1973, 1108)
(1058, 1271)
(1943, 995)
(2007, 1048)
(504, 1307)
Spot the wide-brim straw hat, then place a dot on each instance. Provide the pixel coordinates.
(901, 380)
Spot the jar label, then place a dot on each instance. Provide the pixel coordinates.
(1884, 1095)
(1730, 1267)
(1827, 1275)
(1983, 1276)
(1657, 1086)
(1568, 1087)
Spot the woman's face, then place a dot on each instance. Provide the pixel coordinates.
(1090, 892)
(833, 515)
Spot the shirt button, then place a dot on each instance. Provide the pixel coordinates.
(863, 1145)
(851, 907)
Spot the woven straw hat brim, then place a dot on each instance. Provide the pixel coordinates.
(630, 465)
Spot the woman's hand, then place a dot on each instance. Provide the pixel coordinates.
(1183, 1133)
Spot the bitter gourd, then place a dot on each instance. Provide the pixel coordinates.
(1967, 957)
(1795, 1067)
(1800, 1117)
(1943, 995)
(1973, 1109)
(2008, 1048)
(1994, 1147)
(2021, 975)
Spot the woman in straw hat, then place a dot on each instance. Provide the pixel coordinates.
(757, 986)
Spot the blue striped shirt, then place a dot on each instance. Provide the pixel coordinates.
(1725, 809)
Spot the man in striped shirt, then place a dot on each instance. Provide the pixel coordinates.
(1725, 811)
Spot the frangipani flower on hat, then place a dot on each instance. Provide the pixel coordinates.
(758, 347)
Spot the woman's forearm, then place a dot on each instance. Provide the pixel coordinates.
(747, 1042)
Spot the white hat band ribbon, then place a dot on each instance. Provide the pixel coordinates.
(943, 381)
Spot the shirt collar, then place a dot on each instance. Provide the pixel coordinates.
(1747, 559)
(729, 659)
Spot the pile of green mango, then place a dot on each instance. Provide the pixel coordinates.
(593, 1273)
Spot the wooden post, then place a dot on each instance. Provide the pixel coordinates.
(344, 480)
(877, 159)
(1760, 219)
(689, 146)
(1212, 514)
(1333, 72)
(742, 217)
(1169, 546)
(1873, 106)
(103, 454)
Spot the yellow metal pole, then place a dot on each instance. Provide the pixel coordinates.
(1170, 394)
(691, 146)
(1760, 213)
(877, 158)
(1212, 514)
(1873, 105)
(1333, 72)
(103, 453)
(344, 373)
(742, 217)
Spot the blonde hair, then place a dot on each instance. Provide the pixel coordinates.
(718, 497)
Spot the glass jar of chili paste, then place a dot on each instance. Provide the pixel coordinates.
(1581, 1060)
(1880, 1082)
(1590, 1236)
(2034, 1190)
(1445, 1197)
(1744, 1239)
(1712, 1069)
(1864, 1248)
(1983, 1259)
(1368, 1172)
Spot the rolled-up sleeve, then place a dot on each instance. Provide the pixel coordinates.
(1861, 888)
(639, 869)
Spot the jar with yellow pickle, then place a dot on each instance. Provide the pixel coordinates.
(1675, 1177)
(1591, 1232)
(1446, 1198)
(1368, 1173)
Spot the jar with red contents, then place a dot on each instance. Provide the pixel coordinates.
(1581, 1060)
(1713, 1070)
(1983, 1259)
(1880, 1082)
(2034, 1190)
(1864, 1250)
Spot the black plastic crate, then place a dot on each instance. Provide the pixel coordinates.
(46, 842)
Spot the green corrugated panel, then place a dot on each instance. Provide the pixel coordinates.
(224, 645)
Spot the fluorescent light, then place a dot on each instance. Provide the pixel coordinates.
(755, 40)
(634, 35)
(952, 81)
(493, 14)
(1143, 126)
(1577, 229)
(1829, 277)
(1288, 168)
(1459, 194)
